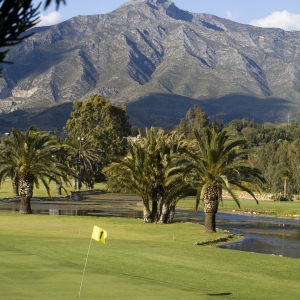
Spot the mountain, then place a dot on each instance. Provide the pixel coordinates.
(159, 61)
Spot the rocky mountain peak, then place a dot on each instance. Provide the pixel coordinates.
(153, 2)
(167, 6)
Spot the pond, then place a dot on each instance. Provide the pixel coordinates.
(261, 234)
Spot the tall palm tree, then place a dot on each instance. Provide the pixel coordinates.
(215, 162)
(31, 161)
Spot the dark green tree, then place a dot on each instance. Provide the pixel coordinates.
(132, 175)
(295, 164)
(195, 119)
(103, 122)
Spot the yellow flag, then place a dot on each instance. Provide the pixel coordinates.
(99, 234)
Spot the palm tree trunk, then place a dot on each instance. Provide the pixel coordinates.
(58, 188)
(210, 222)
(26, 192)
(89, 184)
(154, 210)
(58, 185)
(211, 203)
(15, 184)
(284, 188)
(164, 213)
(147, 213)
(171, 213)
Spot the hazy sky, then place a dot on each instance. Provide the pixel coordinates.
(283, 14)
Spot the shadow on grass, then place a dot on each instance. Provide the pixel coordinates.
(219, 294)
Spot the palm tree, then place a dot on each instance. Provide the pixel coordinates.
(285, 174)
(171, 190)
(216, 162)
(85, 158)
(175, 188)
(31, 161)
(12, 173)
(133, 175)
(142, 172)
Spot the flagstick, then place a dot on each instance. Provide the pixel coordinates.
(85, 267)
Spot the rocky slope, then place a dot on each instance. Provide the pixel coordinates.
(158, 60)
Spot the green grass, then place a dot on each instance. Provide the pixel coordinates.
(6, 189)
(268, 208)
(42, 257)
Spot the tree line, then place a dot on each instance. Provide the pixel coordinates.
(274, 146)
(161, 167)
(195, 157)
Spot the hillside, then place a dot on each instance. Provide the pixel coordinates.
(158, 60)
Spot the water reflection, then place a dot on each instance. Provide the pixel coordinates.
(95, 213)
(263, 234)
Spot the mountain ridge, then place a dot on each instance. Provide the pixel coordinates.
(149, 48)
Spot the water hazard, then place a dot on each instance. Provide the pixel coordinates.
(261, 234)
(264, 234)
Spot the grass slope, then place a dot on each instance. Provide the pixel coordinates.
(42, 257)
(267, 208)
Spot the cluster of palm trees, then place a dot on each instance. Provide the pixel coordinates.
(142, 172)
(163, 168)
(33, 157)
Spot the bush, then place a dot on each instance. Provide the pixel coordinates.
(279, 197)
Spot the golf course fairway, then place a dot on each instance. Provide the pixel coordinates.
(43, 257)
